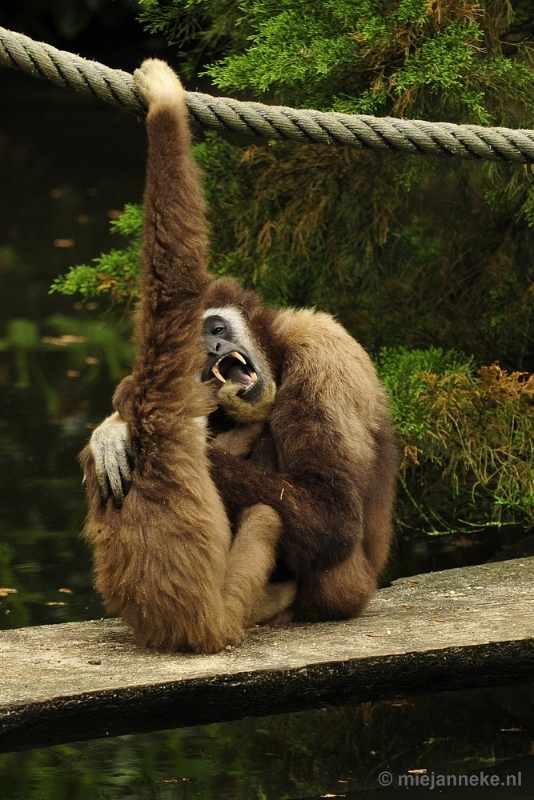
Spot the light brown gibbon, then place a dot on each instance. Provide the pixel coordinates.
(248, 471)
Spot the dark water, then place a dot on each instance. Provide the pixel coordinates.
(341, 752)
(66, 166)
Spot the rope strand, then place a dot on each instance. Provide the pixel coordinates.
(415, 137)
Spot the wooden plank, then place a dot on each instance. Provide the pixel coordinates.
(462, 627)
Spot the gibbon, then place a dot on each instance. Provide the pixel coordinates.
(247, 473)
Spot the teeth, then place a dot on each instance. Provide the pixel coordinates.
(239, 357)
(217, 374)
(234, 354)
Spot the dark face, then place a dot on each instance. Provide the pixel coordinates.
(232, 355)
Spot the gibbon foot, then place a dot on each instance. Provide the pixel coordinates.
(274, 606)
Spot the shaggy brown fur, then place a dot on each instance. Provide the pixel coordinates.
(306, 474)
(165, 560)
(326, 462)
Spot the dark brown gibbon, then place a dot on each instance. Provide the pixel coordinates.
(247, 473)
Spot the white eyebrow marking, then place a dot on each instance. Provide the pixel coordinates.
(234, 317)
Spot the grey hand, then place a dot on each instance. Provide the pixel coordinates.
(114, 458)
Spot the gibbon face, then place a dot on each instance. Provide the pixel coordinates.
(235, 362)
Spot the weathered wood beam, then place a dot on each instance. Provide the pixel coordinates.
(446, 630)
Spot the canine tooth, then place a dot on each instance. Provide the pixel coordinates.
(254, 377)
(217, 373)
(239, 357)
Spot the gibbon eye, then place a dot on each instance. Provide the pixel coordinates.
(216, 327)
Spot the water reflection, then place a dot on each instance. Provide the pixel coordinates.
(333, 752)
(42, 507)
(66, 166)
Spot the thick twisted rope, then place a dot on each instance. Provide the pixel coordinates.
(273, 122)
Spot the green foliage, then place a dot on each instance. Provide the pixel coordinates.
(115, 272)
(467, 439)
(348, 55)
(402, 372)
(406, 251)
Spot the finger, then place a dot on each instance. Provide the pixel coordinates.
(113, 473)
(123, 464)
(100, 469)
(124, 471)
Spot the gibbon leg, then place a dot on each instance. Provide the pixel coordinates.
(250, 562)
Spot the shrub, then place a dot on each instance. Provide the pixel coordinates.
(467, 441)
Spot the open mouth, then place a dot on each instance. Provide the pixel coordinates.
(236, 368)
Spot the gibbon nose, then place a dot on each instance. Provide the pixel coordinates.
(220, 347)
